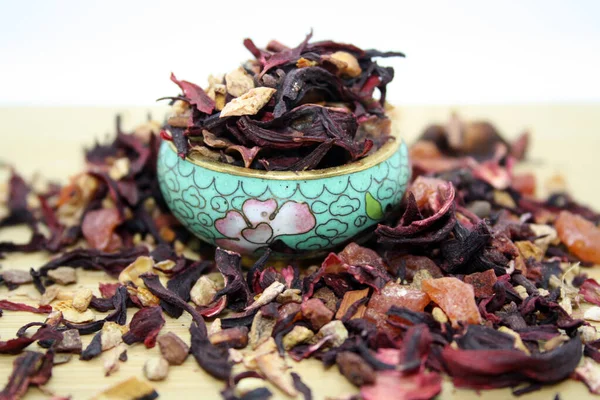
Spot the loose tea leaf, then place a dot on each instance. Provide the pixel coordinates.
(304, 102)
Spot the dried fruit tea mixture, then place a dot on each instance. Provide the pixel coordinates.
(301, 108)
(473, 278)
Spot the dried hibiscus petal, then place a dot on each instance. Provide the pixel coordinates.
(27, 369)
(423, 225)
(484, 369)
(590, 290)
(236, 288)
(211, 358)
(145, 326)
(195, 95)
(10, 306)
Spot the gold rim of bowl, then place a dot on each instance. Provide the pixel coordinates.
(379, 156)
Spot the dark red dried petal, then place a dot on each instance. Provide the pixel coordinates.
(145, 326)
(25, 367)
(236, 289)
(10, 306)
(590, 290)
(485, 369)
(423, 225)
(211, 358)
(195, 95)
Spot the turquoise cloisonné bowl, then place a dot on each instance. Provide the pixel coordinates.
(294, 213)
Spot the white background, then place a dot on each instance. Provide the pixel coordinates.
(458, 52)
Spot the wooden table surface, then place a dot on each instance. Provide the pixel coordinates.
(49, 141)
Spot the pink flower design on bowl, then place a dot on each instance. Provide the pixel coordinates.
(261, 222)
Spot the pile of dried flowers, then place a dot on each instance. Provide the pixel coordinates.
(475, 279)
(301, 108)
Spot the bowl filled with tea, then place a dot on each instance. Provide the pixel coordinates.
(293, 154)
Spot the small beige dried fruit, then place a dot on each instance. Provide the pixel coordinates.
(261, 330)
(238, 82)
(351, 69)
(267, 296)
(555, 342)
(132, 272)
(212, 140)
(588, 333)
(156, 369)
(247, 385)
(298, 335)
(172, 348)
(303, 63)
(592, 314)
(71, 314)
(266, 347)
(439, 315)
(81, 299)
(144, 296)
(546, 234)
(274, 368)
(119, 169)
(110, 359)
(249, 103)
(290, 296)
(49, 295)
(337, 332)
(16, 276)
(203, 292)
(215, 327)
(111, 335)
(63, 275)
(519, 345)
(529, 250)
(420, 276)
